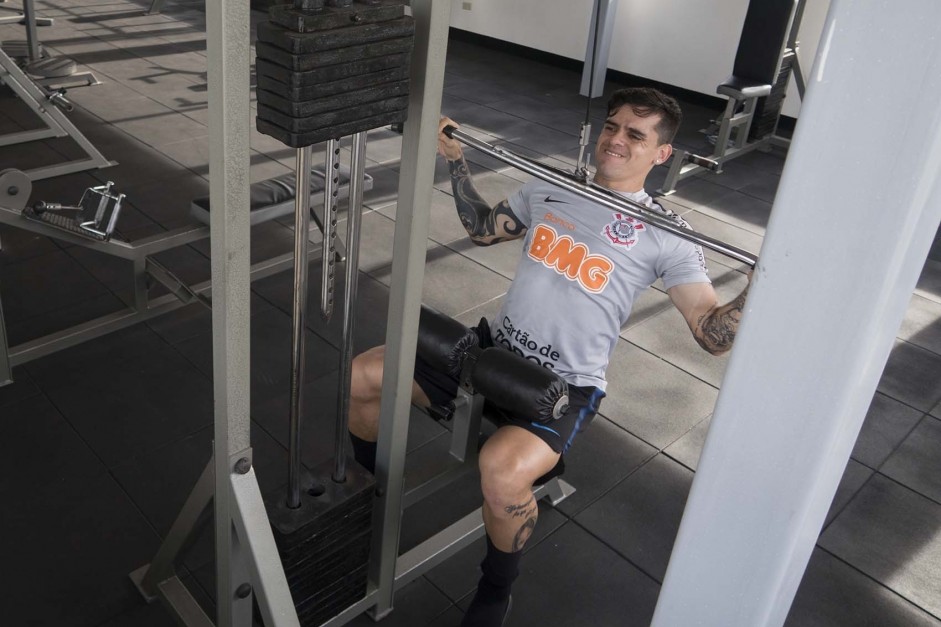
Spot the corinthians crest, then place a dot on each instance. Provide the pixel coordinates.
(624, 230)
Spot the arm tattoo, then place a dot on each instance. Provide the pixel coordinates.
(718, 327)
(529, 511)
(484, 224)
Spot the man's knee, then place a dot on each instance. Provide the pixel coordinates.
(366, 375)
(508, 471)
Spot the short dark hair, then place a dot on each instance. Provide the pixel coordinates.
(646, 101)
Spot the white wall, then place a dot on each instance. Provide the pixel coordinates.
(686, 43)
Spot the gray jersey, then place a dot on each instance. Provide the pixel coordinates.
(581, 269)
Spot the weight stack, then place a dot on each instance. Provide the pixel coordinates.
(330, 68)
(324, 543)
(768, 109)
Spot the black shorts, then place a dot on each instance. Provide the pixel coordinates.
(441, 388)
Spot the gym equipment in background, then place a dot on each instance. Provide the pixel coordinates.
(764, 63)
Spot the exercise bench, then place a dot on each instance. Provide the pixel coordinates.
(91, 224)
(764, 63)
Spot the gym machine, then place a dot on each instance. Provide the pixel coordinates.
(247, 552)
(49, 105)
(766, 58)
(92, 224)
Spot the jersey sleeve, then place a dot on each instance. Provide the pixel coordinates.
(520, 203)
(682, 262)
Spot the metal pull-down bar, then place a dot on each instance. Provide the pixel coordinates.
(601, 196)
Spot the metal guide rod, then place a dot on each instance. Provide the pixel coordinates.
(298, 318)
(601, 196)
(330, 193)
(353, 224)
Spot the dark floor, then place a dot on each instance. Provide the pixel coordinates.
(101, 443)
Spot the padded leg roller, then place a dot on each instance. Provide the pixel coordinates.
(519, 385)
(324, 543)
(443, 342)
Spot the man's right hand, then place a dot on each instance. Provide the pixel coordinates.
(448, 148)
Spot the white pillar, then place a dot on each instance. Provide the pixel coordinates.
(857, 208)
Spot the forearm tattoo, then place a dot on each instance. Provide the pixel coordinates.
(718, 328)
(486, 225)
(529, 512)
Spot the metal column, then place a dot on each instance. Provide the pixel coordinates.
(598, 47)
(845, 246)
(247, 560)
(416, 179)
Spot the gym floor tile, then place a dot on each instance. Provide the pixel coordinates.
(887, 423)
(167, 204)
(21, 245)
(911, 376)
(833, 594)
(37, 442)
(922, 324)
(668, 336)
(156, 614)
(502, 259)
(916, 464)
(31, 329)
(639, 518)
(451, 285)
(718, 228)
(417, 604)
(478, 91)
(595, 587)
(145, 404)
(192, 320)
(450, 618)
(601, 457)
(159, 480)
(688, 447)
(43, 284)
(444, 225)
(21, 388)
(72, 544)
(567, 121)
(652, 399)
(854, 478)
(746, 212)
(271, 346)
(890, 533)
(701, 193)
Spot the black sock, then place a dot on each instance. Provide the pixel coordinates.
(489, 606)
(364, 452)
(499, 570)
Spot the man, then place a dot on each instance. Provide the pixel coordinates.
(582, 267)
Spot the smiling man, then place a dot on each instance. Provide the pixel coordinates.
(582, 268)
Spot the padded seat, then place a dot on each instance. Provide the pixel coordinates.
(741, 89)
(274, 198)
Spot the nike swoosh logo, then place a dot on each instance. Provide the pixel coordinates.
(551, 199)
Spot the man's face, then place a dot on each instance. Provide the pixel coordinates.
(627, 149)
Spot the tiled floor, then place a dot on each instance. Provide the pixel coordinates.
(100, 444)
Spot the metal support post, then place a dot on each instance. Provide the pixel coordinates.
(246, 561)
(298, 320)
(416, 179)
(792, 403)
(598, 47)
(353, 228)
(6, 372)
